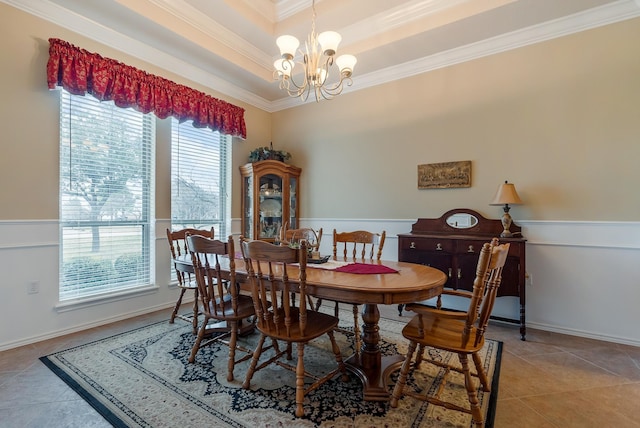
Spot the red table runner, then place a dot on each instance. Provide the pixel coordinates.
(364, 268)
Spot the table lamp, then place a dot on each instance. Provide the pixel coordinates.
(506, 195)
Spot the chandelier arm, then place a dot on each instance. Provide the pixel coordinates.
(338, 87)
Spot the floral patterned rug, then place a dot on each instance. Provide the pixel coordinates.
(142, 378)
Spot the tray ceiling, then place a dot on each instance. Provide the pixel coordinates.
(229, 45)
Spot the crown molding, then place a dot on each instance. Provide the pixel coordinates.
(183, 11)
(614, 12)
(593, 18)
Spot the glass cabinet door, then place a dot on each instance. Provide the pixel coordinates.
(247, 207)
(293, 200)
(270, 205)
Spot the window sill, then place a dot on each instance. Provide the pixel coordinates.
(101, 299)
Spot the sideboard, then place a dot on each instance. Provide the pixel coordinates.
(452, 243)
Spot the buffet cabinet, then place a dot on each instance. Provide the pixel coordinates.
(269, 198)
(452, 244)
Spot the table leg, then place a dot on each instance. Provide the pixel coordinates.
(369, 365)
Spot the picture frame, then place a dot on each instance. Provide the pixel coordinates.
(444, 175)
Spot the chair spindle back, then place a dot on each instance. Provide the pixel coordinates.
(268, 268)
(213, 288)
(358, 245)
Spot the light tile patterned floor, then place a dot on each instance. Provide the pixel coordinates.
(551, 380)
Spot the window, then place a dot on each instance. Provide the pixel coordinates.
(200, 179)
(106, 197)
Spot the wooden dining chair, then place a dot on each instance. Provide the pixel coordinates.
(457, 332)
(359, 245)
(219, 295)
(186, 280)
(268, 268)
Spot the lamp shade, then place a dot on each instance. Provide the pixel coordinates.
(288, 45)
(506, 194)
(329, 41)
(346, 63)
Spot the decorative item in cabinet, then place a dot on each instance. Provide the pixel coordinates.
(452, 243)
(269, 198)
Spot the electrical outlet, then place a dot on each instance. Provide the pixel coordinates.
(33, 287)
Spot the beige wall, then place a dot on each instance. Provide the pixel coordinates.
(560, 119)
(29, 115)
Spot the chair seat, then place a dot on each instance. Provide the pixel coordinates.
(441, 332)
(318, 324)
(245, 308)
(190, 285)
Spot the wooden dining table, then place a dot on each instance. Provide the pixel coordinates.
(411, 283)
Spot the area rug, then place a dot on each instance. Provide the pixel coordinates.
(142, 378)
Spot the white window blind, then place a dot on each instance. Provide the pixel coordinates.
(200, 179)
(106, 197)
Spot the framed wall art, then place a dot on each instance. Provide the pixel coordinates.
(445, 175)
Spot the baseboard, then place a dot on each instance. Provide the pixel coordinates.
(585, 334)
(85, 326)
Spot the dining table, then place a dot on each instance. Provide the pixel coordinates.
(377, 282)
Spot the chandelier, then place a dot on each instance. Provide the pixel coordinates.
(317, 60)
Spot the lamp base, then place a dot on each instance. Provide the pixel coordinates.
(506, 223)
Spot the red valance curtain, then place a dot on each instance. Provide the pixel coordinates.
(80, 72)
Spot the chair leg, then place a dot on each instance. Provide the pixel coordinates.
(336, 351)
(484, 381)
(232, 349)
(402, 378)
(318, 303)
(195, 311)
(254, 362)
(356, 329)
(276, 347)
(300, 381)
(476, 412)
(289, 351)
(419, 356)
(196, 346)
(177, 306)
(310, 302)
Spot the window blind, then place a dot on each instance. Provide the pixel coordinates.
(200, 179)
(106, 197)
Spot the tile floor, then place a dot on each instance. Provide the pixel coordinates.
(551, 380)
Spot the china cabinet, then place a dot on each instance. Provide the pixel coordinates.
(452, 243)
(270, 198)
